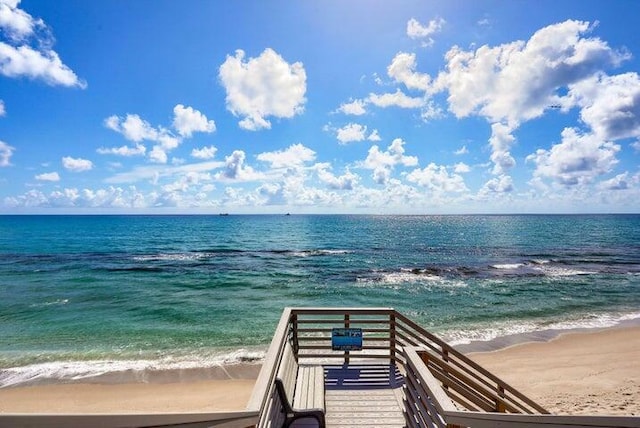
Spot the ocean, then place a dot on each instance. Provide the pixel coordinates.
(84, 298)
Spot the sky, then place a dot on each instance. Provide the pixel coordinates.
(332, 106)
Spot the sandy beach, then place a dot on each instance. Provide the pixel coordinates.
(579, 373)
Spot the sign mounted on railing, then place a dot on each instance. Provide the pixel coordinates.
(346, 339)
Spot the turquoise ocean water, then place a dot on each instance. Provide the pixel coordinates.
(81, 296)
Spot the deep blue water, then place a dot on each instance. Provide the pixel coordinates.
(83, 293)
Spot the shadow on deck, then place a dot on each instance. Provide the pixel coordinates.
(364, 395)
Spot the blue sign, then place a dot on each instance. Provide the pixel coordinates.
(346, 339)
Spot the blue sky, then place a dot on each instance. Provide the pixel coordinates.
(411, 107)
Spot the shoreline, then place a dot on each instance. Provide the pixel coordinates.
(583, 371)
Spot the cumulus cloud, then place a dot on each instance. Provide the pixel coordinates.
(461, 168)
(111, 197)
(347, 181)
(518, 81)
(132, 127)
(186, 121)
(3, 112)
(619, 182)
(235, 168)
(76, 164)
(382, 163)
(374, 136)
(19, 59)
(437, 179)
(403, 70)
(351, 132)
(501, 140)
(5, 154)
(610, 105)
(204, 153)
(17, 23)
(417, 31)
(577, 160)
(262, 87)
(48, 176)
(45, 65)
(294, 156)
(355, 108)
(501, 184)
(396, 99)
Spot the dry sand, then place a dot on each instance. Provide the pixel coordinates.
(578, 373)
(582, 373)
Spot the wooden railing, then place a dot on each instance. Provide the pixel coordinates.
(428, 404)
(241, 419)
(443, 387)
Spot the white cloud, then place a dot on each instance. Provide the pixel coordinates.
(619, 182)
(355, 108)
(351, 132)
(610, 104)
(138, 150)
(461, 168)
(3, 112)
(403, 70)
(415, 30)
(204, 153)
(235, 168)
(132, 127)
(578, 160)
(382, 163)
(45, 65)
(397, 99)
(48, 176)
(347, 181)
(635, 145)
(374, 136)
(5, 154)
(158, 155)
(17, 23)
(518, 81)
(262, 87)
(111, 197)
(431, 111)
(501, 141)
(502, 184)
(437, 179)
(18, 59)
(76, 164)
(186, 121)
(296, 155)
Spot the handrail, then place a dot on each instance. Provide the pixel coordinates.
(519, 420)
(430, 405)
(264, 382)
(240, 419)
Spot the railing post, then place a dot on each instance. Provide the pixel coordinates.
(294, 330)
(346, 325)
(500, 407)
(392, 337)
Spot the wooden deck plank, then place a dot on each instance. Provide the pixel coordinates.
(361, 395)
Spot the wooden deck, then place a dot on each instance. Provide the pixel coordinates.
(365, 395)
